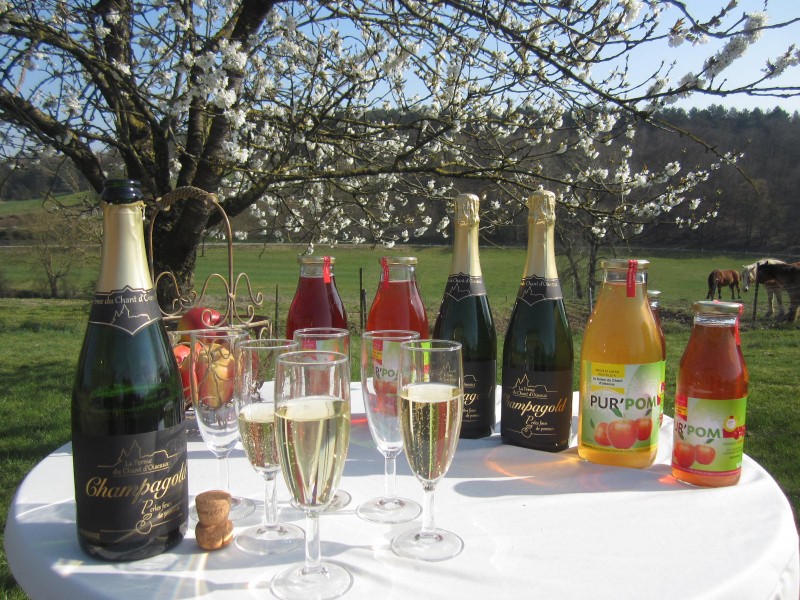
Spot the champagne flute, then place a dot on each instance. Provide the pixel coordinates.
(213, 354)
(380, 360)
(431, 389)
(312, 427)
(332, 339)
(254, 395)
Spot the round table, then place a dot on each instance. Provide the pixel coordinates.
(535, 525)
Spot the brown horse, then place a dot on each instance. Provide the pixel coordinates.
(774, 289)
(720, 278)
(789, 277)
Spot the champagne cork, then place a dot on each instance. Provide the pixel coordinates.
(213, 507)
(214, 537)
(214, 529)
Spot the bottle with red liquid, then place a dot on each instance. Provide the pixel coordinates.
(397, 303)
(316, 302)
(654, 298)
(711, 399)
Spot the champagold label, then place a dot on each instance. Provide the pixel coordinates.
(129, 487)
(709, 435)
(128, 309)
(537, 289)
(479, 387)
(536, 407)
(460, 286)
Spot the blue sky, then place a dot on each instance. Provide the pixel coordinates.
(772, 43)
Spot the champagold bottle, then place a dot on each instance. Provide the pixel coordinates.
(621, 371)
(398, 303)
(536, 399)
(465, 316)
(128, 431)
(316, 301)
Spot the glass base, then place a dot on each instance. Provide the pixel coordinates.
(240, 509)
(389, 510)
(431, 546)
(265, 541)
(298, 583)
(338, 502)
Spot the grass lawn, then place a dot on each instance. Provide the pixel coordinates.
(41, 340)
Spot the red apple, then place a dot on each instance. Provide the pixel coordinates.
(622, 433)
(705, 454)
(644, 428)
(601, 434)
(683, 454)
(214, 369)
(181, 352)
(199, 317)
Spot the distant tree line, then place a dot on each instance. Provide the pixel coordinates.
(752, 204)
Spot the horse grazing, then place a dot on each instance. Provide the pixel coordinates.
(720, 278)
(773, 287)
(789, 277)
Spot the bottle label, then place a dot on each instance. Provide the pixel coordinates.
(480, 379)
(536, 407)
(537, 289)
(461, 285)
(130, 487)
(709, 435)
(129, 309)
(619, 407)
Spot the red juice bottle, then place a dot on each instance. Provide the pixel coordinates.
(711, 399)
(316, 302)
(397, 303)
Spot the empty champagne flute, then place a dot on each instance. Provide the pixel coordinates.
(431, 388)
(380, 361)
(213, 354)
(312, 427)
(254, 394)
(331, 339)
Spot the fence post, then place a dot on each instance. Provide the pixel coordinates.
(277, 329)
(362, 299)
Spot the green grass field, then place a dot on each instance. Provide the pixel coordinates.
(41, 340)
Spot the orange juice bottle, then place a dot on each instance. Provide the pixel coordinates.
(711, 399)
(621, 365)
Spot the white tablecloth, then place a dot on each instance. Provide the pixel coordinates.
(535, 525)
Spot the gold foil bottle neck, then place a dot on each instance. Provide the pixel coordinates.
(542, 208)
(467, 208)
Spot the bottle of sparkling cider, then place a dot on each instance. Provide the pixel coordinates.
(621, 366)
(128, 431)
(536, 403)
(465, 317)
(316, 301)
(711, 399)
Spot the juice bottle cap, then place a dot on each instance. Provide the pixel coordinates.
(314, 260)
(623, 263)
(398, 260)
(715, 307)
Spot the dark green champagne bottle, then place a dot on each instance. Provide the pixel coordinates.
(128, 431)
(536, 398)
(465, 317)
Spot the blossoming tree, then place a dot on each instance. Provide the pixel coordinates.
(356, 120)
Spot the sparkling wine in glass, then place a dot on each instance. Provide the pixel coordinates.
(312, 426)
(254, 393)
(213, 354)
(431, 384)
(380, 361)
(330, 339)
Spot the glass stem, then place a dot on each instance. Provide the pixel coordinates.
(223, 473)
(270, 505)
(428, 526)
(390, 478)
(313, 563)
